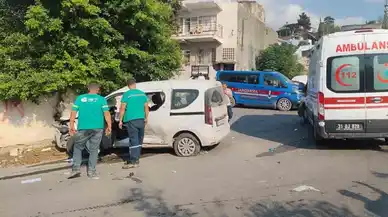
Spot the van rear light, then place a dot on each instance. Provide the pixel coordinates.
(208, 115)
(321, 106)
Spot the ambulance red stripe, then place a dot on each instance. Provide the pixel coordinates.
(354, 100)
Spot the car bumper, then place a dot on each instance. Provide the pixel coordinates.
(215, 135)
(361, 135)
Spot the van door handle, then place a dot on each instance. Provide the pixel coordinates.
(376, 99)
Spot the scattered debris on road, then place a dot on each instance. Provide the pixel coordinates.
(18, 157)
(305, 188)
(28, 181)
(46, 149)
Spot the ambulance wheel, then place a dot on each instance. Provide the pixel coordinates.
(319, 141)
(284, 104)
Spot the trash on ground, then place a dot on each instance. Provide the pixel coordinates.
(295, 129)
(46, 149)
(305, 188)
(31, 181)
(14, 152)
(173, 171)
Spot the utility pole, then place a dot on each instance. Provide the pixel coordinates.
(385, 21)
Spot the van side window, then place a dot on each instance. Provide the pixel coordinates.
(271, 80)
(155, 100)
(245, 79)
(380, 72)
(343, 74)
(181, 98)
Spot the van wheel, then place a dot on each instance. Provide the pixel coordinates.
(284, 104)
(305, 116)
(186, 145)
(319, 141)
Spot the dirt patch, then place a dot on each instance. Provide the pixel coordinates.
(31, 156)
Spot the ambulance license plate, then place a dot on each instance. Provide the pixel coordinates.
(349, 127)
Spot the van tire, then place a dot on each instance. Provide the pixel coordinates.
(284, 104)
(186, 145)
(319, 141)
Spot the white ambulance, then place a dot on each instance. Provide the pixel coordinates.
(347, 95)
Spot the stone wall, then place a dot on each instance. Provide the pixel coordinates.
(26, 123)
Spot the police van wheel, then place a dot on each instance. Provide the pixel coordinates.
(284, 104)
(186, 145)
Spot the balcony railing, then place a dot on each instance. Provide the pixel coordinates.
(205, 29)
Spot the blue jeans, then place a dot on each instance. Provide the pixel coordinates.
(91, 140)
(230, 112)
(136, 135)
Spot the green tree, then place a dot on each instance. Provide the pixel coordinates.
(304, 21)
(60, 44)
(280, 58)
(328, 26)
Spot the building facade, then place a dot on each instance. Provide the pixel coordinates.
(221, 35)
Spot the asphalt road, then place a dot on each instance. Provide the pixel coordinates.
(263, 168)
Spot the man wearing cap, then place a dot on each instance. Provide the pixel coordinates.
(92, 109)
(134, 112)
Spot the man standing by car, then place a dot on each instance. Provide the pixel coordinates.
(229, 99)
(92, 109)
(134, 112)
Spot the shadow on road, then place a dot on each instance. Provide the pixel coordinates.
(378, 207)
(286, 130)
(155, 205)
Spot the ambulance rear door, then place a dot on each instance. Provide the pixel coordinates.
(376, 67)
(343, 84)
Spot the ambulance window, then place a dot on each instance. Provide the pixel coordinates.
(380, 72)
(344, 74)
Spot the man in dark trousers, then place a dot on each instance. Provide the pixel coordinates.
(134, 112)
(92, 109)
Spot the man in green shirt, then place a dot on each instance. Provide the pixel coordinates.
(92, 109)
(134, 112)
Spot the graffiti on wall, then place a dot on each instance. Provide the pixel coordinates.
(11, 105)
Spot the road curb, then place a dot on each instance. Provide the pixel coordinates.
(22, 147)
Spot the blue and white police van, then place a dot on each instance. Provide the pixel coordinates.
(262, 88)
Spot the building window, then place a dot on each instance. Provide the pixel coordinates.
(186, 57)
(214, 55)
(228, 54)
(201, 58)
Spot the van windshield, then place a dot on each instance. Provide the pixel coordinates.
(284, 78)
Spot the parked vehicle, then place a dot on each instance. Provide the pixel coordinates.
(262, 88)
(300, 78)
(184, 115)
(347, 94)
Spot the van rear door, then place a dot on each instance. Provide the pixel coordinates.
(215, 107)
(376, 62)
(343, 95)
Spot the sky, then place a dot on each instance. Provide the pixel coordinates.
(278, 12)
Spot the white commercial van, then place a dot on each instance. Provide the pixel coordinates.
(347, 94)
(184, 115)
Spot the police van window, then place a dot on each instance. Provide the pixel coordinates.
(183, 98)
(380, 72)
(343, 74)
(253, 79)
(271, 80)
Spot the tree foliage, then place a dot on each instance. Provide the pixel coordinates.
(51, 45)
(280, 58)
(304, 21)
(328, 26)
